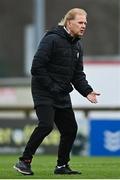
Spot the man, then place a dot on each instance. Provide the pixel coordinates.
(57, 67)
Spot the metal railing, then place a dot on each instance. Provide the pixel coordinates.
(27, 110)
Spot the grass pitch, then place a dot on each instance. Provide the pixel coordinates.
(43, 166)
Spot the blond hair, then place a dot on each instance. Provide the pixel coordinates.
(71, 15)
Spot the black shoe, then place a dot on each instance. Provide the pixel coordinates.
(23, 168)
(65, 170)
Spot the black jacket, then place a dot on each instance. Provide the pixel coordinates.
(57, 67)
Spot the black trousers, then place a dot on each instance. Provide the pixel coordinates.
(66, 124)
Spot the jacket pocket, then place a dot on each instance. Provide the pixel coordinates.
(66, 88)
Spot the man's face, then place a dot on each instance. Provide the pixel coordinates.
(77, 26)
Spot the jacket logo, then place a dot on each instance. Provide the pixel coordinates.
(112, 140)
(78, 54)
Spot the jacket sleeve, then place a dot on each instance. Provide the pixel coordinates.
(79, 79)
(40, 62)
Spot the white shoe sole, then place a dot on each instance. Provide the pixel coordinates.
(23, 172)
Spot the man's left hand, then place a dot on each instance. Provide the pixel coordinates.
(92, 97)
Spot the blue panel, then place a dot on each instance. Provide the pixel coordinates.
(104, 137)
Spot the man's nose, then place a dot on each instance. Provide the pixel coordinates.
(83, 25)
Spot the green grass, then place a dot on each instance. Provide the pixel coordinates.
(43, 166)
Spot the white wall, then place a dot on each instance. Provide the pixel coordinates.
(104, 78)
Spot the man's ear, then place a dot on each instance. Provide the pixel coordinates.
(68, 23)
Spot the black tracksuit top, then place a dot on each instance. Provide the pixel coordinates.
(58, 67)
